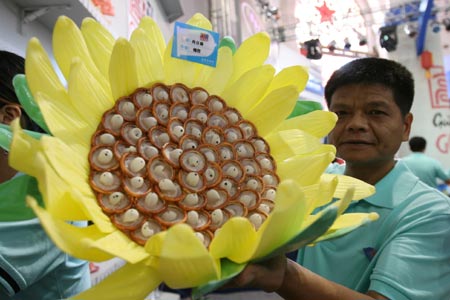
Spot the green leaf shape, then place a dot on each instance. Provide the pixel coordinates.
(229, 270)
(227, 41)
(27, 101)
(6, 136)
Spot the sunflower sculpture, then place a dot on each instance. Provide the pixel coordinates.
(187, 172)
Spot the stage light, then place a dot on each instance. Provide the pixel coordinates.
(314, 49)
(388, 38)
(332, 46)
(410, 29)
(435, 26)
(347, 44)
(446, 23)
(362, 40)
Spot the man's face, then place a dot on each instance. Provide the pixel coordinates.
(370, 126)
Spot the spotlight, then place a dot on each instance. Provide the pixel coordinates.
(314, 49)
(446, 23)
(347, 44)
(435, 27)
(410, 29)
(332, 46)
(362, 40)
(388, 38)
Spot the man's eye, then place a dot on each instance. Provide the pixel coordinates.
(376, 112)
(340, 113)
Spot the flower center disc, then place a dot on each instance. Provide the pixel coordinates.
(169, 154)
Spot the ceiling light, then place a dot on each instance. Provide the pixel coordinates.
(446, 23)
(435, 26)
(332, 46)
(410, 29)
(314, 49)
(388, 38)
(347, 44)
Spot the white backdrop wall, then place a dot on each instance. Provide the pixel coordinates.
(11, 37)
(431, 108)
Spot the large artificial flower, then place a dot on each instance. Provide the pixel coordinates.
(134, 131)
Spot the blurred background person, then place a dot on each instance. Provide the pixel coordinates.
(31, 266)
(428, 169)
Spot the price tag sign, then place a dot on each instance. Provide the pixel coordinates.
(195, 44)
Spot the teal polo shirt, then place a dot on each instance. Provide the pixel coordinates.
(31, 266)
(404, 255)
(426, 168)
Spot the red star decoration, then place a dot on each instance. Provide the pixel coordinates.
(326, 14)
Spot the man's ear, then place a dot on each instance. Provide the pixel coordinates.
(9, 112)
(407, 122)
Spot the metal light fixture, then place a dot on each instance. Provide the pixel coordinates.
(362, 40)
(388, 38)
(347, 44)
(410, 29)
(332, 46)
(314, 49)
(435, 26)
(446, 23)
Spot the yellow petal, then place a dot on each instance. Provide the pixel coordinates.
(294, 75)
(180, 70)
(100, 43)
(71, 170)
(60, 197)
(252, 53)
(281, 101)
(184, 260)
(311, 168)
(343, 203)
(131, 282)
(122, 69)
(352, 219)
(68, 43)
(287, 143)
(41, 76)
(88, 242)
(285, 221)
(26, 156)
(21, 147)
(148, 58)
(199, 20)
(215, 79)
(249, 88)
(236, 240)
(318, 123)
(155, 35)
(320, 193)
(88, 97)
(62, 119)
(362, 189)
(347, 223)
(65, 123)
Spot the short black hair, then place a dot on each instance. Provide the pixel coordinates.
(10, 65)
(417, 144)
(372, 70)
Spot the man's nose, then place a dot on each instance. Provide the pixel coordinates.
(357, 121)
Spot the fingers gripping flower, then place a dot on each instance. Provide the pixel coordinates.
(178, 165)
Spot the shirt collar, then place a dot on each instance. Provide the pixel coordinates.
(393, 188)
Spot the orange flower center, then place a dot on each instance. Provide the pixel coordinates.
(169, 154)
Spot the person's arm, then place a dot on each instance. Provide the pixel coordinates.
(294, 282)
